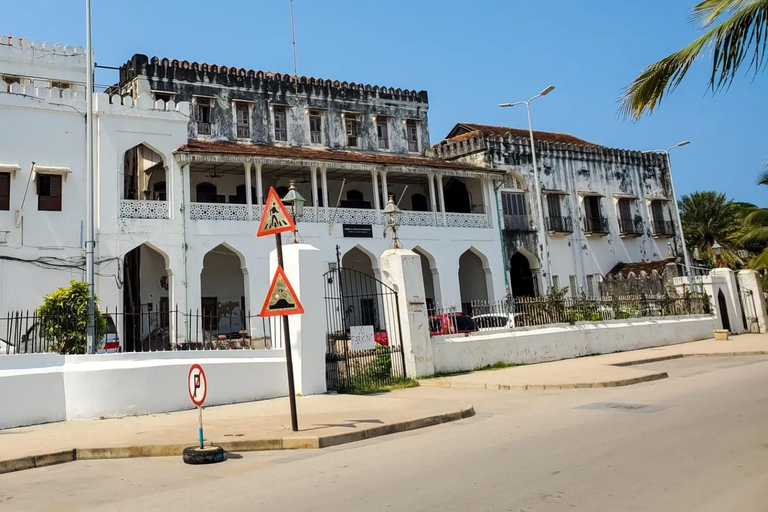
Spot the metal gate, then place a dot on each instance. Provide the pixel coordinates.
(749, 311)
(364, 348)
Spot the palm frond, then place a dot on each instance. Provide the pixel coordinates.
(757, 217)
(760, 261)
(756, 236)
(744, 31)
(763, 180)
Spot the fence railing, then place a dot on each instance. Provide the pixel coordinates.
(663, 228)
(146, 331)
(537, 311)
(517, 222)
(596, 225)
(559, 224)
(630, 226)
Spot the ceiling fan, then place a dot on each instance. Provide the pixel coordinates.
(214, 174)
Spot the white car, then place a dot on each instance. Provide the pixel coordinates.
(490, 321)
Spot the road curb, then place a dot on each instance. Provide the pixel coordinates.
(286, 443)
(546, 387)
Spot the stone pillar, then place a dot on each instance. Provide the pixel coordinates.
(401, 269)
(732, 294)
(313, 180)
(384, 187)
(324, 181)
(750, 280)
(259, 188)
(248, 195)
(376, 197)
(484, 185)
(440, 194)
(303, 265)
(432, 201)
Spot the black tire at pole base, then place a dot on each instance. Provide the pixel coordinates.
(206, 455)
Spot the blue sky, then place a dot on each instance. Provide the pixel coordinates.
(469, 55)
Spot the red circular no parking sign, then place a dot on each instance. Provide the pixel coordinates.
(197, 385)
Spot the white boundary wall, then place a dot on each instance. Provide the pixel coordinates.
(563, 341)
(41, 388)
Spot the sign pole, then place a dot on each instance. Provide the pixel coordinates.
(200, 423)
(287, 341)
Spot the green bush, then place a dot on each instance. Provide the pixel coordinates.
(64, 319)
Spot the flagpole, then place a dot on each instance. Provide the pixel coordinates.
(90, 182)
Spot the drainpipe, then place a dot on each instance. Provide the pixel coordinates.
(501, 235)
(184, 248)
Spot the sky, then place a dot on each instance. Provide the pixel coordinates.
(469, 56)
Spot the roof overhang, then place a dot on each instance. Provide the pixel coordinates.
(11, 168)
(50, 169)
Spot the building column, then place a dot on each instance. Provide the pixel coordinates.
(432, 203)
(486, 201)
(259, 187)
(248, 195)
(313, 181)
(376, 197)
(324, 181)
(439, 178)
(384, 188)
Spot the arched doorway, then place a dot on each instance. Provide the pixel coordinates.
(431, 278)
(722, 306)
(359, 294)
(222, 292)
(473, 284)
(419, 203)
(143, 171)
(521, 277)
(456, 197)
(146, 300)
(206, 193)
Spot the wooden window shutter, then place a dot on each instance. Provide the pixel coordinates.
(49, 193)
(5, 191)
(56, 192)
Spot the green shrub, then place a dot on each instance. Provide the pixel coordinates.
(64, 319)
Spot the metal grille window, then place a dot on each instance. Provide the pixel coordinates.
(203, 115)
(49, 192)
(382, 131)
(351, 126)
(572, 283)
(556, 282)
(243, 124)
(315, 127)
(412, 134)
(281, 125)
(553, 206)
(5, 191)
(591, 285)
(657, 210)
(625, 209)
(513, 203)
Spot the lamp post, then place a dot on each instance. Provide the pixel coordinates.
(390, 211)
(537, 181)
(717, 250)
(296, 201)
(686, 257)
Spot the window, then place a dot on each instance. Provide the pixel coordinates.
(625, 209)
(592, 207)
(159, 191)
(203, 115)
(419, 203)
(513, 203)
(553, 206)
(591, 286)
(555, 282)
(61, 85)
(412, 135)
(382, 131)
(49, 192)
(206, 193)
(315, 127)
(574, 288)
(351, 126)
(242, 119)
(10, 79)
(165, 96)
(281, 126)
(5, 191)
(657, 210)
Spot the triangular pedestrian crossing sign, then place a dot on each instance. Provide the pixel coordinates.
(274, 218)
(281, 299)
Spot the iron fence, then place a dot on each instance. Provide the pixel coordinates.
(559, 224)
(596, 224)
(630, 226)
(537, 311)
(25, 332)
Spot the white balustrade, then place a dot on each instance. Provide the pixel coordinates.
(218, 211)
(307, 216)
(352, 216)
(466, 220)
(140, 209)
(411, 218)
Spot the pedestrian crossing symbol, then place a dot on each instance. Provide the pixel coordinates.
(281, 299)
(274, 218)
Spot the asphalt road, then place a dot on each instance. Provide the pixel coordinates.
(694, 442)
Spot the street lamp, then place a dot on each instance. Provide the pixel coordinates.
(686, 257)
(296, 201)
(537, 181)
(390, 211)
(717, 250)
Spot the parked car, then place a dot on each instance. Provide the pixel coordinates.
(494, 321)
(451, 323)
(381, 338)
(111, 343)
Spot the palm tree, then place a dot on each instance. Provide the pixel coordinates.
(735, 30)
(755, 236)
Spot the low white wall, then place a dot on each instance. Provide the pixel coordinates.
(40, 388)
(563, 341)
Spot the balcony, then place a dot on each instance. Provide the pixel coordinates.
(466, 220)
(596, 225)
(630, 227)
(559, 224)
(517, 223)
(663, 228)
(218, 211)
(143, 209)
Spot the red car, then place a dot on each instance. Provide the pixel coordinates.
(451, 323)
(381, 338)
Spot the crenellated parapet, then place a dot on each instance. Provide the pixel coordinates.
(163, 69)
(34, 48)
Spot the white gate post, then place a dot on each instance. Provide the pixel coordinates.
(732, 295)
(749, 280)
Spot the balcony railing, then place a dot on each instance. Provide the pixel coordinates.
(466, 220)
(663, 228)
(218, 211)
(631, 227)
(412, 218)
(352, 216)
(597, 225)
(142, 209)
(559, 224)
(517, 223)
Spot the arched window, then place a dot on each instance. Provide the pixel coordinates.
(206, 193)
(355, 199)
(239, 197)
(354, 195)
(456, 197)
(419, 203)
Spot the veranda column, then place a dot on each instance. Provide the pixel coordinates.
(439, 178)
(313, 180)
(259, 189)
(248, 198)
(484, 183)
(433, 205)
(324, 180)
(384, 188)
(376, 198)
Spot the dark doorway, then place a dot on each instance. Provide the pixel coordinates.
(521, 276)
(132, 299)
(206, 193)
(722, 305)
(419, 203)
(210, 313)
(457, 197)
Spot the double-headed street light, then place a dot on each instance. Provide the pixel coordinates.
(680, 233)
(537, 181)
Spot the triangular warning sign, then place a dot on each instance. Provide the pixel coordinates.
(281, 299)
(274, 218)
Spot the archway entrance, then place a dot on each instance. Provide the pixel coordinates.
(359, 296)
(145, 300)
(473, 285)
(222, 287)
(521, 277)
(722, 306)
(456, 197)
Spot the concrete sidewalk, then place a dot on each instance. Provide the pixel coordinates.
(610, 370)
(324, 420)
